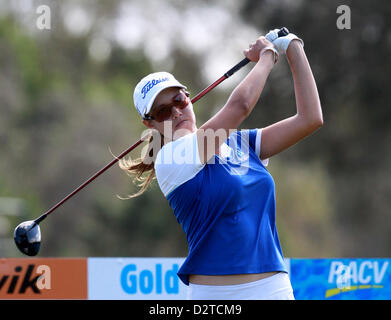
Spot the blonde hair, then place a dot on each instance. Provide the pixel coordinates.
(142, 169)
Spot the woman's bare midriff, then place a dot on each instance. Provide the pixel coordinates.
(229, 279)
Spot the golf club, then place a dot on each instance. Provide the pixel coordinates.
(27, 235)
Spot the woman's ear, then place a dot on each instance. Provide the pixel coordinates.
(148, 123)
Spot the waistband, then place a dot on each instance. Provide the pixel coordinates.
(280, 279)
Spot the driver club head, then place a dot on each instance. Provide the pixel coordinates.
(27, 236)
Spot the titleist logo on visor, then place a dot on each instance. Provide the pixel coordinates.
(150, 84)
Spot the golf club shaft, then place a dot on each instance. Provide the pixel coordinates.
(92, 178)
(283, 31)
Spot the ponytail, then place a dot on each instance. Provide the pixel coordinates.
(142, 169)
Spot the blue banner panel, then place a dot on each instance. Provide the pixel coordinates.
(341, 279)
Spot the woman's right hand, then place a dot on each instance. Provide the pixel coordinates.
(255, 49)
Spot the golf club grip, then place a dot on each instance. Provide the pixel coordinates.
(283, 32)
(237, 67)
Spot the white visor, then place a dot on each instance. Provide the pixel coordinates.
(149, 87)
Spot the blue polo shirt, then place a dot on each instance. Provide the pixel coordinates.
(226, 206)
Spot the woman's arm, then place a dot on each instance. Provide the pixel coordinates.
(240, 103)
(283, 134)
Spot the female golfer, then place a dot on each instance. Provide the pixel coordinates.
(214, 177)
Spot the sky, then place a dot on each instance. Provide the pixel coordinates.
(212, 31)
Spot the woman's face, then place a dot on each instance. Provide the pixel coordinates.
(174, 105)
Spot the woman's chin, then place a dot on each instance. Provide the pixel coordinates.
(183, 129)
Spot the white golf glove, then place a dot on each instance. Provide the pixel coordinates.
(282, 43)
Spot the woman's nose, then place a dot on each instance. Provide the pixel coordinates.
(175, 112)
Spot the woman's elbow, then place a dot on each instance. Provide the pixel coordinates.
(312, 123)
(246, 107)
(316, 122)
(319, 119)
(242, 105)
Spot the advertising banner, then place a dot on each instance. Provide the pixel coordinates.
(156, 278)
(135, 279)
(43, 278)
(341, 279)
